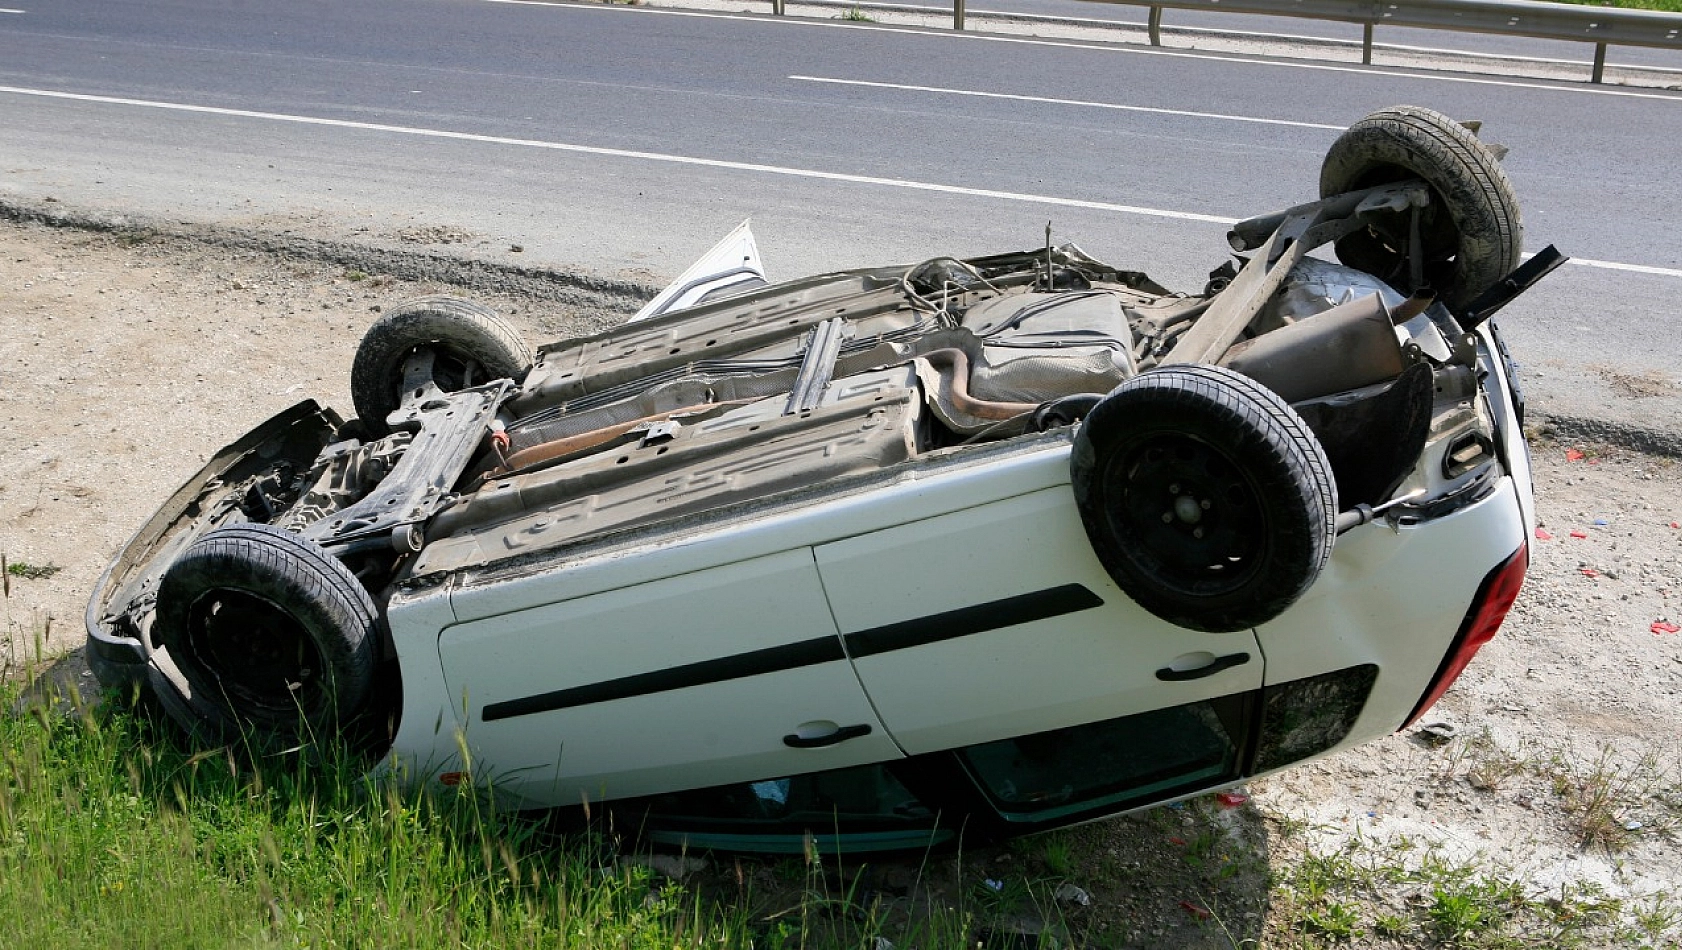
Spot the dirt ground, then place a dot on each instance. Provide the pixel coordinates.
(125, 358)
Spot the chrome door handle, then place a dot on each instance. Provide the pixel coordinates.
(1219, 663)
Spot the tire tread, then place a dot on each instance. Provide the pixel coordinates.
(251, 555)
(437, 318)
(1419, 141)
(1262, 425)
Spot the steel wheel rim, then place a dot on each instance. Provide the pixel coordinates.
(255, 651)
(1187, 514)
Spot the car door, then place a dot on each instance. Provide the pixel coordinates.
(728, 674)
(998, 621)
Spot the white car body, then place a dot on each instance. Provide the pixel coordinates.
(921, 546)
(1000, 544)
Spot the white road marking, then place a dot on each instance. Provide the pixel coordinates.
(1631, 268)
(1097, 46)
(626, 153)
(8, 10)
(1065, 102)
(701, 162)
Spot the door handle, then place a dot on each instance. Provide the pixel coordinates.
(836, 737)
(1219, 663)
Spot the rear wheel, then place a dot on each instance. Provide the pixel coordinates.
(1470, 234)
(264, 630)
(470, 346)
(1205, 496)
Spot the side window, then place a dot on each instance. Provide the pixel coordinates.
(849, 810)
(1305, 717)
(1118, 763)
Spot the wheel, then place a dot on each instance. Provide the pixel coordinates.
(1470, 234)
(471, 345)
(1205, 496)
(267, 631)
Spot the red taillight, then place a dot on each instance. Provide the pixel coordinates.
(1495, 597)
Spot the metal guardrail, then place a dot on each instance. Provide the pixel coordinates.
(1602, 26)
(1539, 19)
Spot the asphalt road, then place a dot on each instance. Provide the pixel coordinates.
(621, 141)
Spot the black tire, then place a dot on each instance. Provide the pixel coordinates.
(1249, 496)
(471, 343)
(267, 632)
(1471, 233)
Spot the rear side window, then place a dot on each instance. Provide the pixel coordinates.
(1119, 763)
(1307, 716)
(851, 810)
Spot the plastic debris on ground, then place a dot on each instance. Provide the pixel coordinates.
(1588, 572)
(1231, 799)
(1572, 455)
(1439, 731)
(1195, 910)
(1579, 534)
(1664, 626)
(1070, 894)
(1543, 535)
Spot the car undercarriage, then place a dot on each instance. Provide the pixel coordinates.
(1203, 452)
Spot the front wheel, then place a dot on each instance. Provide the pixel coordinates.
(268, 632)
(470, 346)
(1205, 496)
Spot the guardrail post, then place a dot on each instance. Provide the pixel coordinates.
(1366, 44)
(777, 7)
(1599, 62)
(1154, 25)
(957, 14)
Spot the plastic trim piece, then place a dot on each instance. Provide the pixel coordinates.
(757, 663)
(966, 621)
(980, 618)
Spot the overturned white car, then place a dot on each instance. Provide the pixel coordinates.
(994, 544)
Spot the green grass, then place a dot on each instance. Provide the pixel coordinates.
(114, 834)
(32, 572)
(1465, 911)
(111, 835)
(1604, 797)
(1338, 897)
(1674, 6)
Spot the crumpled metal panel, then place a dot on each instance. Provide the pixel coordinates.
(863, 425)
(1314, 286)
(761, 325)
